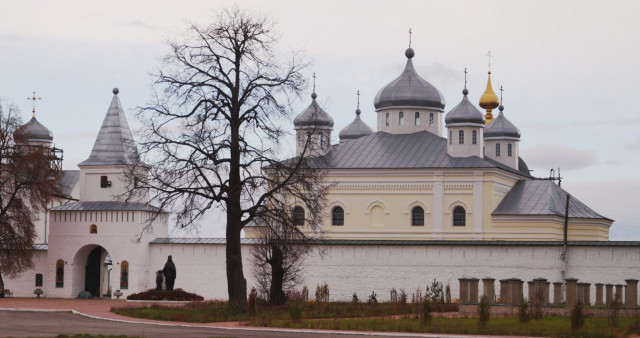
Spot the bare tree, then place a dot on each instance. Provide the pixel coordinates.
(27, 182)
(215, 123)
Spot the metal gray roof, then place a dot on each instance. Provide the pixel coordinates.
(381, 150)
(105, 206)
(68, 181)
(114, 144)
(34, 131)
(501, 127)
(313, 116)
(464, 112)
(542, 197)
(355, 129)
(384, 242)
(409, 90)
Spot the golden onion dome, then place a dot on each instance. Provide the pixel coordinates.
(489, 100)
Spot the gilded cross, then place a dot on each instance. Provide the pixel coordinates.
(34, 98)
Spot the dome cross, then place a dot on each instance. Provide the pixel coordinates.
(410, 37)
(465, 77)
(34, 98)
(490, 56)
(358, 93)
(501, 90)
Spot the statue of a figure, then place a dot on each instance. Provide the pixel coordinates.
(159, 280)
(169, 272)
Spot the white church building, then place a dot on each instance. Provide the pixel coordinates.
(410, 202)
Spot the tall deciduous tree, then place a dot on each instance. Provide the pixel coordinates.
(215, 123)
(27, 182)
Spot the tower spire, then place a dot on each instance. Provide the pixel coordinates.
(33, 100)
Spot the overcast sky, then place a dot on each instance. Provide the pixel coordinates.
(570, 71)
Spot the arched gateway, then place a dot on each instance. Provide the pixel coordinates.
(92, 271)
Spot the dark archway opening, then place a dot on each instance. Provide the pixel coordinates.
(92, 272)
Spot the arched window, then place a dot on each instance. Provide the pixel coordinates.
(459, 216)
(509, 150)
(417, 216)
(387, 119)
(417, 118)
(298, 215)
(430, 119)
(401, 119)
(474, 137)
(461, 137)
(93, 229)
(60, 273)
(450, 137)
(124, 275)
(337, 216)
(497, 149)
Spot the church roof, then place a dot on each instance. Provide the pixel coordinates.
(313, 116)
(409, 90)
(464, 112)
(542, 197)
(382, 150)
(355, 129)
(34, 131)
(68, 181)
(501, 127)
(114, 144)
(105, 206)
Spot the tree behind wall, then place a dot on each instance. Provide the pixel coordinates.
(27, 182)
(216, 121)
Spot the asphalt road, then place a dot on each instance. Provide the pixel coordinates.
(51, 324)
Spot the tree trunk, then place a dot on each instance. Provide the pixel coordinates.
(1, 285)
(276, 294)
(236, 283)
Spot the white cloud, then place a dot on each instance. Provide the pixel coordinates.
(559, 156)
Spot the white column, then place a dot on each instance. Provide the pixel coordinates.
(477, 205)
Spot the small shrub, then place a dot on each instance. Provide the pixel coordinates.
(295, 312)
(373, 299)
(613, 313)
(175, 295)
(435, 293)
(355, 299)
(447, 294)
(484, 311)
(524, 314)
(577, 317)
(403, 297)
(251, 305)
(427, 310)
(393, 297)
(322, 293)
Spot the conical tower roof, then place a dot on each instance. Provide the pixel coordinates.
(355, 129)
(464, 112)
(114, 144)
(409, 90)
(501, 127)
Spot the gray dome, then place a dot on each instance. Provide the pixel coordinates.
(313, 116)
(501, 127)
(464, 112)
(355, 129)
(34, 131)
(409, 90)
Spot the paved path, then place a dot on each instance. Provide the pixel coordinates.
(31, 317)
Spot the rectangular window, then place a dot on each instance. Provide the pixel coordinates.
(430, 119)
(387, 119)
(417, 118)
(401, 119)
(461, 137)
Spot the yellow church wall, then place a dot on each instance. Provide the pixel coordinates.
(547, 228)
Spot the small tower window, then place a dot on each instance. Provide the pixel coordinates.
(509, 150)
(417, 118)
(401, 119)
(60, 273)
(104, 182)
(461, 137)
(430, 119)
(497, 149)
(474, 137)
(450, 137)
(459, 216)
(417, 216)
(320, 140)
(38, 279)
(337, 216)
(298, 215)
(387, 119)
(124, 275)
(93, 229)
